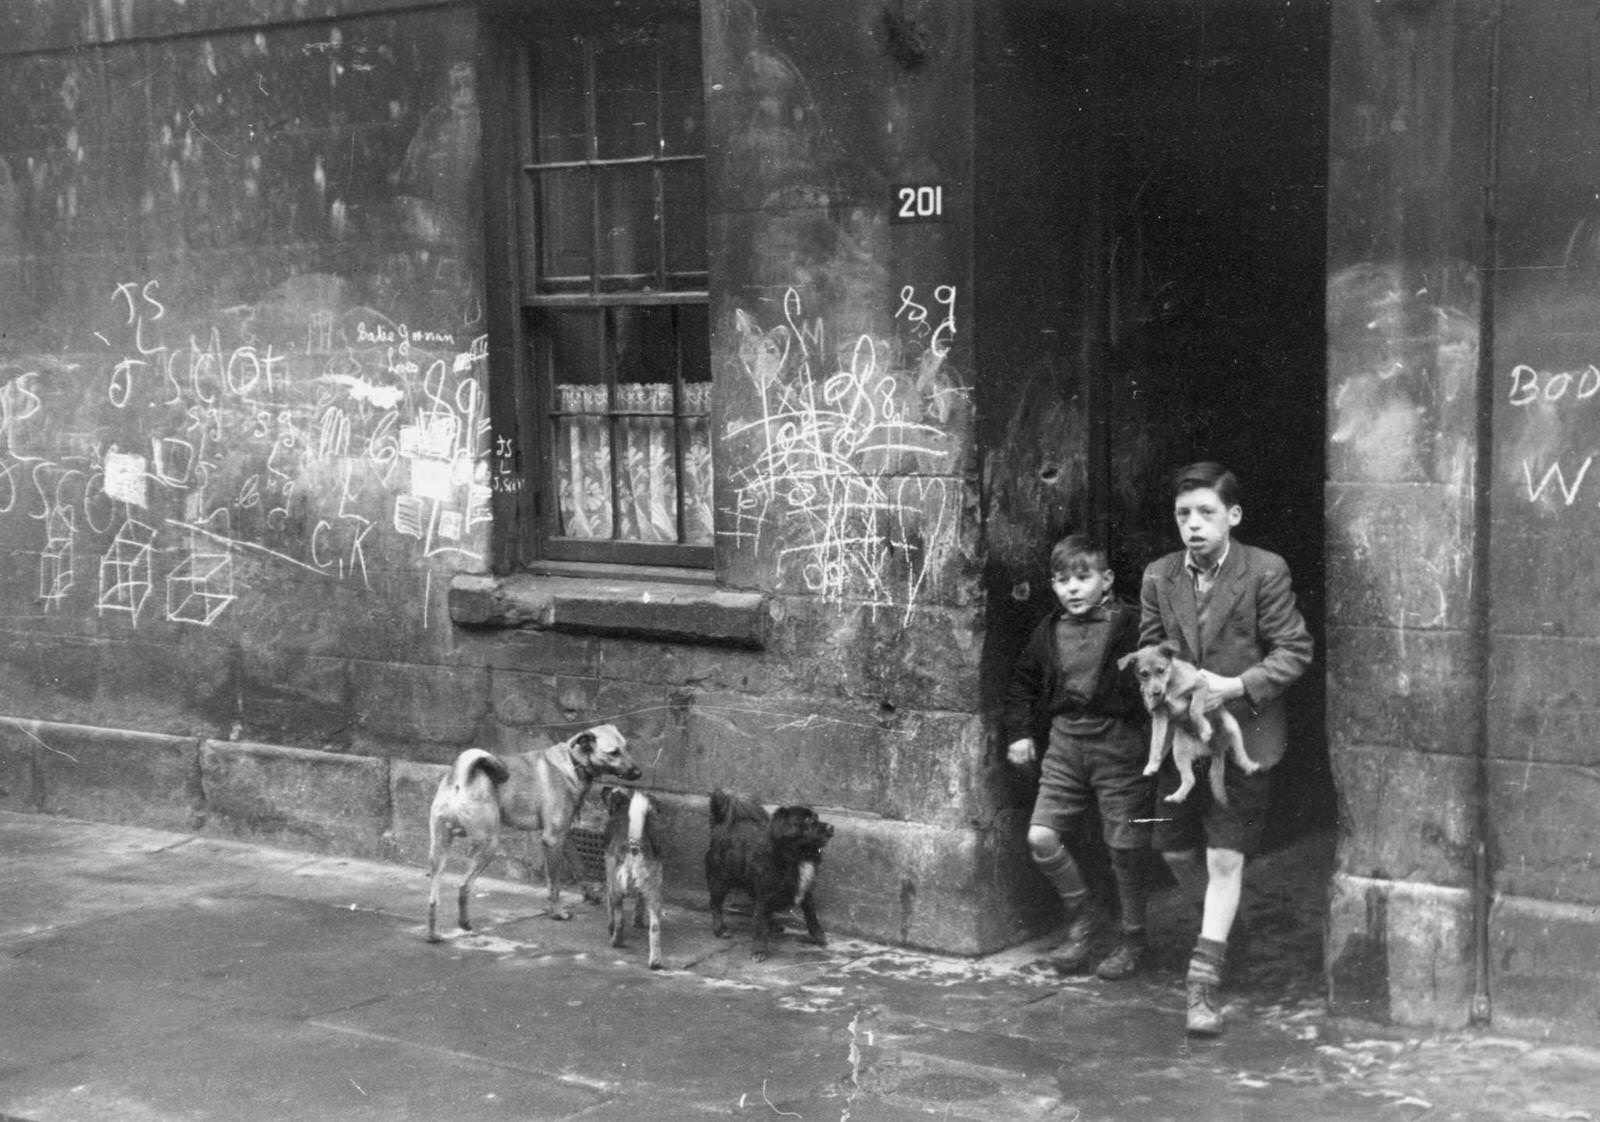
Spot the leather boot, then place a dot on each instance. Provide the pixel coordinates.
(1077, 948)
(1124, 961)
(1204, 1002)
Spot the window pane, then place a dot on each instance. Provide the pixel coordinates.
(565, 226)
(694, 357)
(684, 206)
(582, 449)
(649, 483)
(697, 521)
(646, 365)
(694, 350)
(628, 250)
(625, 99)
(561, 128)
(644, 347)
(682, 101)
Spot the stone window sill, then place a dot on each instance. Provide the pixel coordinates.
(665, 611)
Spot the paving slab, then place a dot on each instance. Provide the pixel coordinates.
(158, 976)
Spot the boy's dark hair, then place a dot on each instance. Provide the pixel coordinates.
(1077, 553)
(1207, 474)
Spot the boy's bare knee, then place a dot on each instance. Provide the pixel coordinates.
(1043, 841)
(1224, 863)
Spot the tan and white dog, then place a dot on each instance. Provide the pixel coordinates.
(1176, 695)
(541, 790)
(633, 865)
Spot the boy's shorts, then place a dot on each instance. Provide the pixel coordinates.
(1200, 823)
(1106, 769)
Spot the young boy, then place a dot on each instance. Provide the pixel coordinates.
(1230, 608)
(1068, 673)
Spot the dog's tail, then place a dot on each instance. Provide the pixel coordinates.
(476, 759)
(727, 809)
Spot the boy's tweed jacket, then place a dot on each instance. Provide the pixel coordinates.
(1253, 631)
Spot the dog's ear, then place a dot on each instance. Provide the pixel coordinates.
(1169, 647)
(1125, 660)
(783, 822)
(584, 742)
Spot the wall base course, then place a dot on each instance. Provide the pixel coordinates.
(323, 801)
(1400, 951)
(956, 890)
(1543, 980)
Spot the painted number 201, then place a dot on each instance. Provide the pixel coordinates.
(919, 202)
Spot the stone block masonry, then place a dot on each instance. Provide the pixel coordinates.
(909, 883)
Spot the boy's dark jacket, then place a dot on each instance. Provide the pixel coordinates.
(1036, 692)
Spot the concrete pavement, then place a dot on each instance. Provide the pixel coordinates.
(147, 975)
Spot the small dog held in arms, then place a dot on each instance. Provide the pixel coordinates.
(772, 857)
(541, 790)
(1176, 695)
(633, 865)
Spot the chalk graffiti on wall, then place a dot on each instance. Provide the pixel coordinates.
(1545, 403)
(1403, 357)
(290, 434)
(849, 475)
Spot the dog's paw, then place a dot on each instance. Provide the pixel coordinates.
(1151, 769)
(1174, 798)
(759, 955)
(819, 939)
(657, 964)
(560, 913)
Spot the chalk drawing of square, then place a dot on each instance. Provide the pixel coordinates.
(450, 525)
(408, 515)
(125, 478)
(174, 460)
(410, 440)
(430, 479)
(55, 572)
(478, 505)
(439, 437)
(200, 588)
(120, 592)
(59, 524)
(125, 579)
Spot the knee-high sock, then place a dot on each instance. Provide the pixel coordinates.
(1063, 874)
(1127, 865)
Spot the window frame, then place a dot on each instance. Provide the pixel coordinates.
(525, 503)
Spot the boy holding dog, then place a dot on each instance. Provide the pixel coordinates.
(1231, 610)
(1095, 755)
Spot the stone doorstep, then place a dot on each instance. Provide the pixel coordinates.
(904, 883)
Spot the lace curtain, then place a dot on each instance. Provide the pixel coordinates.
(647, 494)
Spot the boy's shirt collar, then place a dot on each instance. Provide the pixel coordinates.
(1204, 576)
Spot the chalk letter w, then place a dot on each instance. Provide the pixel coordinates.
(1569, 494)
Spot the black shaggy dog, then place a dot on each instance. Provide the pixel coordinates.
(772, 857)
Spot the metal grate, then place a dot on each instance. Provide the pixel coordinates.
(586, 853)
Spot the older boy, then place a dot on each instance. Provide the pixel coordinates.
(1068, 673)
(1231, 609)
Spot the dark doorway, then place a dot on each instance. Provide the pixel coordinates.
(1180, 266)
(1214, 146)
